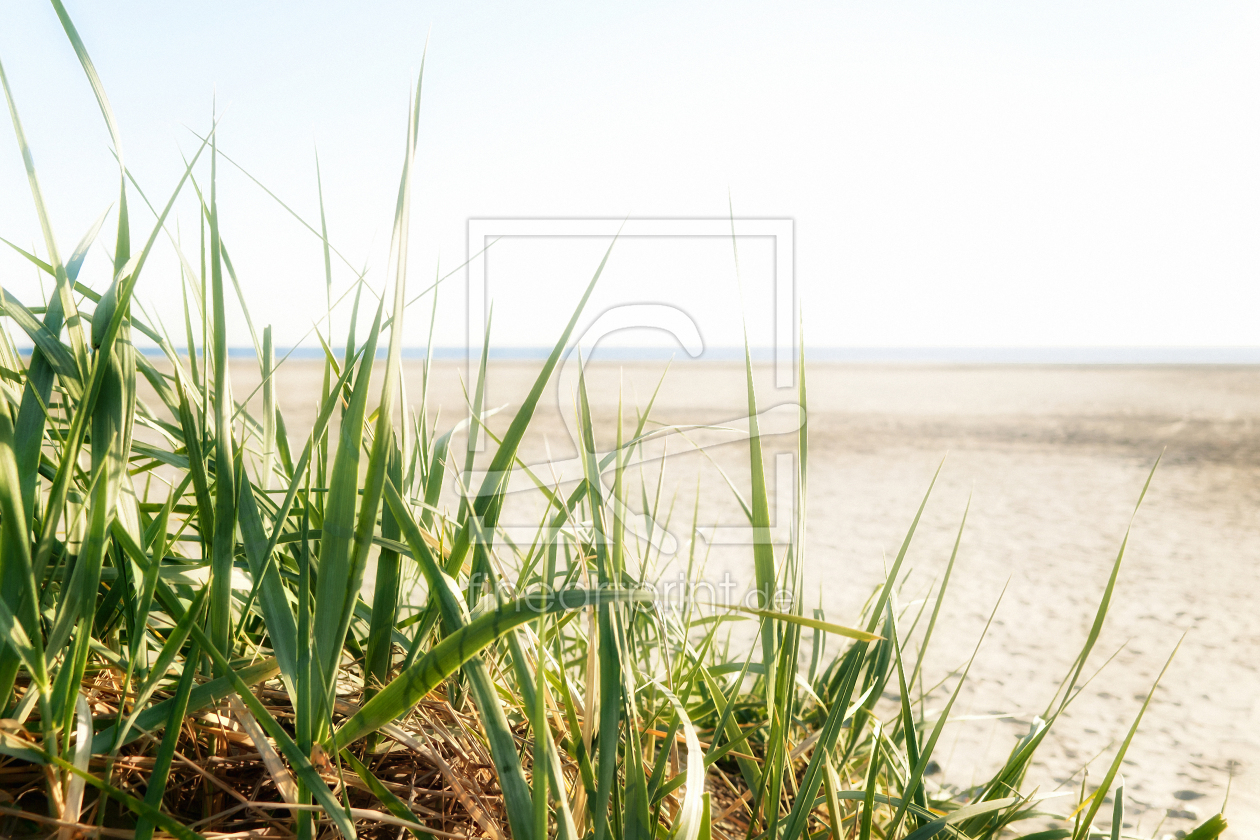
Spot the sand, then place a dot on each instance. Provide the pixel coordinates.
(1054, 459)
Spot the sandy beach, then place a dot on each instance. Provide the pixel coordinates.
(1054, 459)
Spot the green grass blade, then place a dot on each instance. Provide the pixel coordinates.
(122, 248)
(385, 593)
(384, 454)
(448, 655)
(542, 738)
(1209, 830)
(20, 616)
(50, 348)
(269, 409)
(804, 621)
(81, 250)
(727, 723)
(831, 787)
(1100, 616)
(690, 821)
(1105, 785)
(609, 655)
(1117, 813)
(443, 590)
(916, 773)
(73, 324)
(935, 827)
(277, 614)
(298, 761)
(222, 544)
(302, 712)
(534, 702)
(97, 88)
(940, 596)
(335, 592)
(155, 786)
(103, 358)
(846, 677)
(912, 790)
(505, 455)
(872, 777)
(763, 549)
(192, 440)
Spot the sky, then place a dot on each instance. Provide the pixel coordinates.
(971, 174)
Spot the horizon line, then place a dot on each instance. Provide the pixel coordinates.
(925, 354)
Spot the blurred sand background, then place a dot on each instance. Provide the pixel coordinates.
(1055, 458)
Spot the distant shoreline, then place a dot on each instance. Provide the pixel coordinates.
(823, 355)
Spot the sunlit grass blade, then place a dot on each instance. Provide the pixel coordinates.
(534, 700)
(1210, 829)
(935, 827)
(940, 597)
(1110, 776)
(74, 326)
(690, 821)
(81, 250)
(804, 621)
(929, 745)
(505, 455)
(55, 354)
(1100, 616)
(269, 409)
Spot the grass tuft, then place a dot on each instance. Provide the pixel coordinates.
(185, 649)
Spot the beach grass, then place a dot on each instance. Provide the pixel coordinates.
(186, 648)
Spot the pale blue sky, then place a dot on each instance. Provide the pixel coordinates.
(959, 174)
